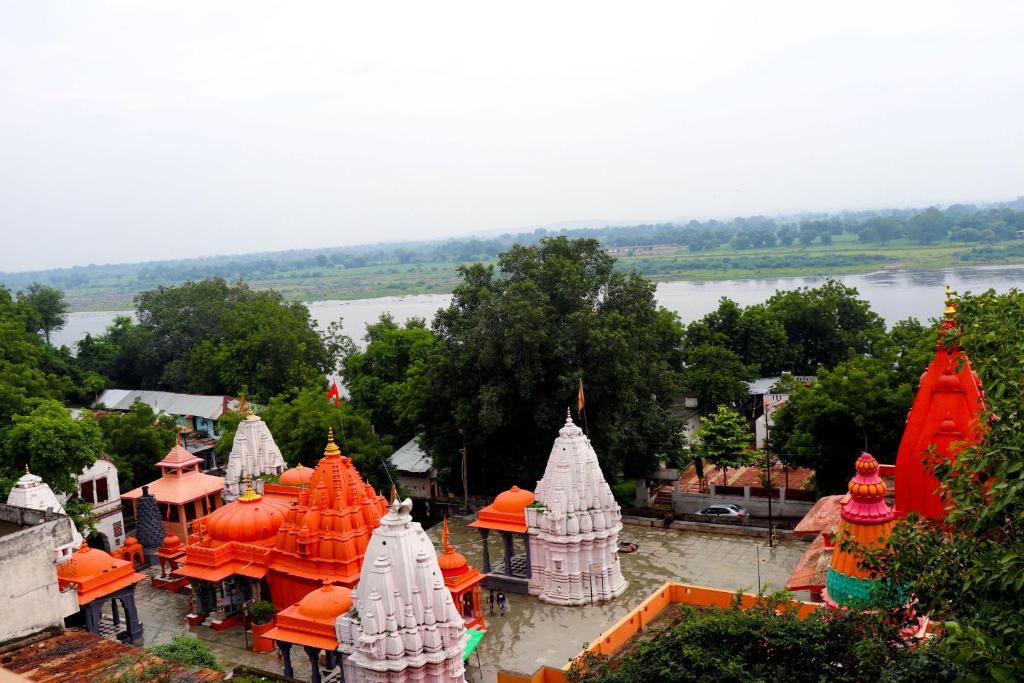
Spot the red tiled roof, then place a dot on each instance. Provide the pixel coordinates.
(822, 518)
(811, 570)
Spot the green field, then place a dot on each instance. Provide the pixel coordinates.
(114, 287)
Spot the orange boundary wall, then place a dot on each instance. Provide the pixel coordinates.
(646, 612)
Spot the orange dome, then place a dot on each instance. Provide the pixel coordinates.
(452, 562)
(250, 519)
(512, 501)
(171, 541)
(296, 476)
(329, 602)
(87, 562)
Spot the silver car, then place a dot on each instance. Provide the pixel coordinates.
(732, 513)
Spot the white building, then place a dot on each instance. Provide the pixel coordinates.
(253, 453)
(404, 625)
(574, 525)
(32, 493)
(98, 485)
(415, 469)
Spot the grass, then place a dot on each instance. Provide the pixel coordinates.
(114, 288)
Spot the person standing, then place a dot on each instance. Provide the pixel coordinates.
(502, 604)
(490, 601)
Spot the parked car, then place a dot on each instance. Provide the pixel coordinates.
(730, 513)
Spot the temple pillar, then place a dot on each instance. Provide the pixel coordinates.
(487, 551)
(509, 550)
(131, 616)
(92, 612)
(331, 662)
(529, 559)
(314, 663)
(286, 657)
(114, 613)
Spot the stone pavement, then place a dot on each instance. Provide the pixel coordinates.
(531, 633)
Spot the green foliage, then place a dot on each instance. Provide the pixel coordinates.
(136, 440)
(300, 425)
(261, 612)
(515, 343)
(970, 572)
(767, 642)
(723, 439)
(625, 492)
(212, 337)
(717, 375)
(189, 650)
(388, 381)
(48, 311)
(52, 444)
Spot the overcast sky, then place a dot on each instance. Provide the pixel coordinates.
(130, 132)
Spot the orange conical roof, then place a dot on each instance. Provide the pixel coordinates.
(450, 562)
(945, 413)
(507, 512)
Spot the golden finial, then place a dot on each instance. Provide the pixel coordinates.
(26, 469)
(568, 415)
(249, 493)
(332, 448)
(250, 415)
(950, 310)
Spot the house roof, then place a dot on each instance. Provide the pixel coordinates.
(411, 458)
(59, 658)
(210, 407)
(180, 489)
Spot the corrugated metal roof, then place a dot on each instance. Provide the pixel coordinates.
(762, 385)
(411, 458)
(210, 407)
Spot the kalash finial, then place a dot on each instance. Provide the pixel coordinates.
(249, 493)
(332, 448)
(950, 310)
(26, 469)
(250, 415)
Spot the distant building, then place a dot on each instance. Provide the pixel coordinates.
(98, 486)
(416, 471)
(194, 412)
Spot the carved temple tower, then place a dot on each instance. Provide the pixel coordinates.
(574, 526)
(253, 452)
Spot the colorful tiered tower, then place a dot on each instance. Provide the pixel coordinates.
(867, 519)
(574, 527)
(326, 531)
(463, 581)
(945, 414)
(404, 626)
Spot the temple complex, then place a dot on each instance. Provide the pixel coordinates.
(183, 493)
(945, 414)
(507, 516)
(574, 526)
(99, 579)
(463, 581)
(30, 491)
(404, 625)
(253, 453)
(309, 623)
(866, 519)
(326, 530)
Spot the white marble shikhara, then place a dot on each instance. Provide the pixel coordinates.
(253, 452)
(30, 491)
(403, 625)
(574, 526)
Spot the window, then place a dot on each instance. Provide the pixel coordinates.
(87, 491)
(102, 494)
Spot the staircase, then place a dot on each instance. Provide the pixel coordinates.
(662, 501)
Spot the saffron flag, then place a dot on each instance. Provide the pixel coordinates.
(444, 533)
(334, 394)
(580, 399)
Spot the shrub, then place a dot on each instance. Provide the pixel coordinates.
(261, 612)
(624, 492)
(185, 649)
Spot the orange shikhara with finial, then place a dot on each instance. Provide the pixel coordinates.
(945, 414)
(463, 582)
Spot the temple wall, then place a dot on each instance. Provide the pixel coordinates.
(28, 574)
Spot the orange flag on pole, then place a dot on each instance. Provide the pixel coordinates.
(580, 399)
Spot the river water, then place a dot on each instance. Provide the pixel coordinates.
(893, 294)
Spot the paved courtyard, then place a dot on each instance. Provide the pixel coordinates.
(532, 633)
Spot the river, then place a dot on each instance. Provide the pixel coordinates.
(893, 294)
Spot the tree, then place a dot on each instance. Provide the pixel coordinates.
(513, 347)
(213, 337)
(52, 444)
(137, 440)
(49, 310)
(299, 425)
(388, 380)
(754, 333)
(717, 375)
(723, 439)
(928, 226)
(969, 572)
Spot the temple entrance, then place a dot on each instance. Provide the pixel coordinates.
(222, 601)
(512, 572)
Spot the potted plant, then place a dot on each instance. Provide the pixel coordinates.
(261, 618)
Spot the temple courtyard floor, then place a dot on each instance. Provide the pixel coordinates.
(532, 633)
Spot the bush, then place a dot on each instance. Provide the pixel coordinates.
(625, 493)
(261, 612)
(185, 649)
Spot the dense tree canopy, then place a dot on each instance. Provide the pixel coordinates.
(723, 439)
(214, 337)
(514, 345)
(137, 440)
(388, 381)
(47, 309)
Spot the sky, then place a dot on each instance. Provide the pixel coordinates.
(142, 131)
